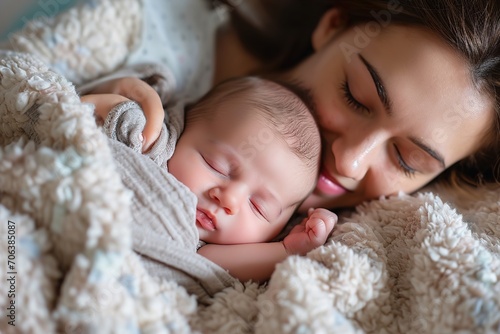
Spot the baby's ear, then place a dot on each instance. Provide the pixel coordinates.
(329, 25)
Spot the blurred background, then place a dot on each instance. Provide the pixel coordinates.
(15, 13)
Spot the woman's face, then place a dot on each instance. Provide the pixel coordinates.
(394, 109)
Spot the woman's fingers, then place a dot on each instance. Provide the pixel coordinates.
(103, 103)
(153, 110)
(137, 90)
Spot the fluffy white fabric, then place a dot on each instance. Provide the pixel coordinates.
(73, 261)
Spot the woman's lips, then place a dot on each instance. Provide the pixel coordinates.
(328, 185)
(205, 221)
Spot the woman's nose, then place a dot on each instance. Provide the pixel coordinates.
(355, 154)
(229, 197)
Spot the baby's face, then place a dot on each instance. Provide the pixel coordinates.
(247, 180)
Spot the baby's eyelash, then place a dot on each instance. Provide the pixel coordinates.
(214, 167)
(258, 209)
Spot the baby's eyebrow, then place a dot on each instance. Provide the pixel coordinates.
(228, 150)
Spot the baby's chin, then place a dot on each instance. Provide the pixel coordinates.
(212, 239)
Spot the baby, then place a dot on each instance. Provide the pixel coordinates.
(250, 153)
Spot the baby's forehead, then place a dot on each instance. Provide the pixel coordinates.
(297, 129)
(278, 117)
(277, 108)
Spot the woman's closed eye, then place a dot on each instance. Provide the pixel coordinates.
(409, 172)
(358, 106)
(351, 100)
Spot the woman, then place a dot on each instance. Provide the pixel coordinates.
(404, 91)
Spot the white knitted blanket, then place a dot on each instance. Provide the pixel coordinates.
(428, 263)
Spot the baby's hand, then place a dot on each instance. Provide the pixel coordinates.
(137, 90)
(312, 232)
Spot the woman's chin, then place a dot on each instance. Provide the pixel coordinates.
(316, 201)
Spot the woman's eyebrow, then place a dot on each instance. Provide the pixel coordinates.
(379, 84)
(433, 153)
(386, 101)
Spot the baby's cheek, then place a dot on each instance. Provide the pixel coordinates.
(178, 165)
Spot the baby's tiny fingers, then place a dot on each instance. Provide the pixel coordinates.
(317, 231)
(328, 217)
(330, 223)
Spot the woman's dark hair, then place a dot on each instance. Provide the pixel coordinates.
(278, 32)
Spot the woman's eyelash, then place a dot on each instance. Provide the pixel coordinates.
(350, 98)
(409, 172)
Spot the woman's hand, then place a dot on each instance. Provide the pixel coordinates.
(312, 232)
(103, 103)
(139, 91)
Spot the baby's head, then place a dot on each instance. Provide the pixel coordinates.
(250, 152)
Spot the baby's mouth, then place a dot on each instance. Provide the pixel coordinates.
(205, 221)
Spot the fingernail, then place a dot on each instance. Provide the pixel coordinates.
(143, 142)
